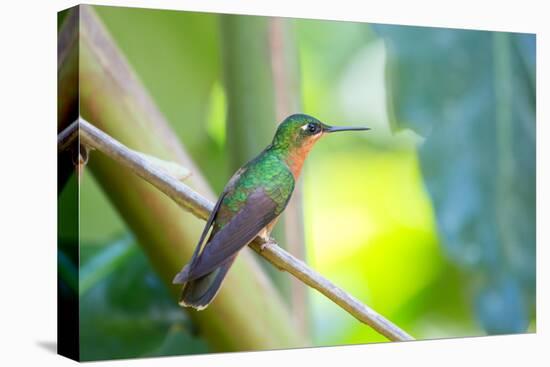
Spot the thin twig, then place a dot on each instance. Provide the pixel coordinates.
(67, 136)
(201, 207)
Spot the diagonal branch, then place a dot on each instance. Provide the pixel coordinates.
(201, 207)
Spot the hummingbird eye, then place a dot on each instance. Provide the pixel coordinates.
(313, 128)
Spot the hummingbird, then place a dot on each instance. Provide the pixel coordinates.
(249, 206)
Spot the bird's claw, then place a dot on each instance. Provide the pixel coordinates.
(268, 242)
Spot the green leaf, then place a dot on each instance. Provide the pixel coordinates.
(105, 262)
(129, 312)
(67, 270)
(471, 94)
(179, 341)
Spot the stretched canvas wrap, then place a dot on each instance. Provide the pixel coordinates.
(421, 227)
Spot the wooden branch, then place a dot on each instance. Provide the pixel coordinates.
(201, 207)
(67, 137)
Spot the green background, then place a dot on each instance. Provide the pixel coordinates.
(429, 218)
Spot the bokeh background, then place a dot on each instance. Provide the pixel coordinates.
(429, 218)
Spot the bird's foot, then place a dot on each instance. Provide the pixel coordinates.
(268, 242)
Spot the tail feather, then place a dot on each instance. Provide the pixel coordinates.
(182, 276)
(199, 293)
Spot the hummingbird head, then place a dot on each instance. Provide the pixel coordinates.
(297, 134)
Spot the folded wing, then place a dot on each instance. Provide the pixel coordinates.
(259, 210)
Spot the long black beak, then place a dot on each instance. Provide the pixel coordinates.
(333, 129)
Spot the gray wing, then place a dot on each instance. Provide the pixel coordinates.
(207, 227)
(214, 212)
(258, 211)
(183, 275)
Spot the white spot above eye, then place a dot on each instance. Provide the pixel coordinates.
(304, 127)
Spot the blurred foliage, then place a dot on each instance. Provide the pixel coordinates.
(415, 225)
(67, 267)
(67, 255)
(181, 72)
(471, 94)
(248, 82)
(127, 311)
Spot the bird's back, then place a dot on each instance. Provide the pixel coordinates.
(266, 172)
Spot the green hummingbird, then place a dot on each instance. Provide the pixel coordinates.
(249, 206)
